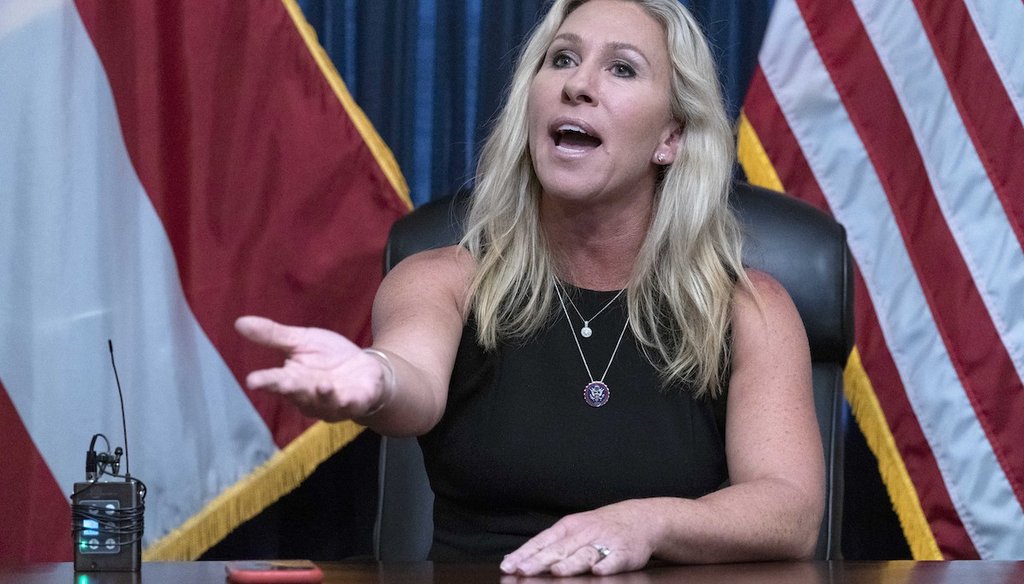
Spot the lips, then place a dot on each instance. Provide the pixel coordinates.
(574, 136)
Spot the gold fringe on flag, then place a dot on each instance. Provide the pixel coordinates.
(868, 412)
(385, 158)
(242, 501)
(857, 387)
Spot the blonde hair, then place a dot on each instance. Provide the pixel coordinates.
(680, 292)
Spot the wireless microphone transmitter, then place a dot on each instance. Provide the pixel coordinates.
(107, 515)
(107, 519)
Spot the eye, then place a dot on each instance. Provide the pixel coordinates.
(621, 69)
(561, 60)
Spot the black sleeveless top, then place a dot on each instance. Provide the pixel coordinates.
(518, 447)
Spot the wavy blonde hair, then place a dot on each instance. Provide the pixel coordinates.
(680, 292)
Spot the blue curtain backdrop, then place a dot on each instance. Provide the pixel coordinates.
(430, 74)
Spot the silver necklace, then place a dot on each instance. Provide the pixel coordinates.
(585, 330)
(596, 393)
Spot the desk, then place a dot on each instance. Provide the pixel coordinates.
(898, 572)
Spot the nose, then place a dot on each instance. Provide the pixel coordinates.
(579, 87)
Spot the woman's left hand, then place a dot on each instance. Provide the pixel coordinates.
(612, 539)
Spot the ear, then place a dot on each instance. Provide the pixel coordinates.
(665, 153)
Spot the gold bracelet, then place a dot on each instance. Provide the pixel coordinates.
(389, 381)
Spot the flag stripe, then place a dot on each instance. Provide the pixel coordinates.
(952, 227)
(764, 114)
(991, 122)
(837, 157)
(999, 23)
(233, 194)
(36, 525)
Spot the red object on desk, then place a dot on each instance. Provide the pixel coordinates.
(274, 572)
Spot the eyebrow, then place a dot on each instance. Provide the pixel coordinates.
(616, 46)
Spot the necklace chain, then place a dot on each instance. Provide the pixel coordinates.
(585, 330)
(596, 392)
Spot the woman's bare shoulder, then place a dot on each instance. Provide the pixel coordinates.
(764, 315)
(449, 264)
(445, 271)
(765, 287)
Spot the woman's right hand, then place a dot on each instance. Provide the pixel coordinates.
(324, 374)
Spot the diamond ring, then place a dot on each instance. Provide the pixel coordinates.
(602, 551)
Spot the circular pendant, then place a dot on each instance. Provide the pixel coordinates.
(596, 394)
(585, 332)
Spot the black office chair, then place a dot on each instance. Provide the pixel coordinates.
(803, 248)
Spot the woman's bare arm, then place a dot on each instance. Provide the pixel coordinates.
(418, 315)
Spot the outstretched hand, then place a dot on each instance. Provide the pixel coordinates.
(608, 540)
(324, 374)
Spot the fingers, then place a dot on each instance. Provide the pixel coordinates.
(604, 541)
(269, 333)
(556, 550)
(583, 560)
(277, 380)
(512, 562)
(560, 559)
(309, 391)
(325, 375)
(337, 393)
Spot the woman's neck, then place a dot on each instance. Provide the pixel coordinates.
(595, 247)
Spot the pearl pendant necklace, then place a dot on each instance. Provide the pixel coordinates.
(586, 332)
(596, 393)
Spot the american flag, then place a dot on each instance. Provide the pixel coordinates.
(903, 118)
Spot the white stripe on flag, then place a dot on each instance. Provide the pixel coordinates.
(999, 24)
(975, 481)
(962, 187)
(85, 258)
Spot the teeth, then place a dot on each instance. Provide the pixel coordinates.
(571, 128)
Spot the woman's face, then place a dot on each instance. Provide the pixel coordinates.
(598, 108)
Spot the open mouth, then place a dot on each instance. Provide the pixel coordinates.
(573, 137)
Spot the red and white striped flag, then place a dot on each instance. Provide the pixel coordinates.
(164, 168)
(903, 118)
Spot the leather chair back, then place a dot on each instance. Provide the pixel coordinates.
(803, 248)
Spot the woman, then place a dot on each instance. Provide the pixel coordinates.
(565, 364)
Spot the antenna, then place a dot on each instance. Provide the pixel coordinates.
(124, 425)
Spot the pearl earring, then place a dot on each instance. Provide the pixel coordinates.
(661, 158)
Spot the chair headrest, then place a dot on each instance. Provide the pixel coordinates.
(806, 251)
